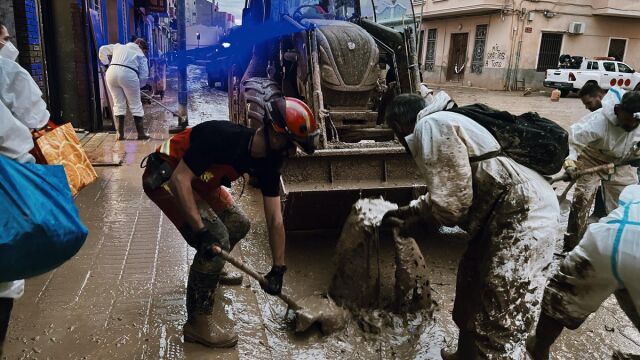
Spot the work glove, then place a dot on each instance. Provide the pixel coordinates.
(571, 169)
(205, 242)
(402, 213)
(273, 283)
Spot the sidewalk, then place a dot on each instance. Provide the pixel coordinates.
(122, 296)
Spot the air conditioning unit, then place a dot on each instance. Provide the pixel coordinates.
(577, 28)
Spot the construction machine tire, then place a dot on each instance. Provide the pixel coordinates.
(256, 93)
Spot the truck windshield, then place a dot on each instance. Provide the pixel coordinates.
(395, 14)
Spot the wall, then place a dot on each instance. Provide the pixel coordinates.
(204, 11)
(73, 81)
(496, 53)
(507, 36)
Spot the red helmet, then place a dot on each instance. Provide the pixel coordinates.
(298, 124)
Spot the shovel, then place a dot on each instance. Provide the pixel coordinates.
(150, 98)
(562, 199)
(309, 311)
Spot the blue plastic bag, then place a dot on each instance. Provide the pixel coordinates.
(39, 223)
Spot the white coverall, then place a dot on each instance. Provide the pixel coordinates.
(128, 72)
(21, 109)
(606, 260)
(596, 140)
(512, 216)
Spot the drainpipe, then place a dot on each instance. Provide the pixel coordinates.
(183, 120)
(519, 51)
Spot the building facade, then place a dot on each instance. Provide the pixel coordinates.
(498, 44)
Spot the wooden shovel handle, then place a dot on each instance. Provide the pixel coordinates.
(249, 271)
(565, 177)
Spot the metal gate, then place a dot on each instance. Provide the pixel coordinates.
(550, 47)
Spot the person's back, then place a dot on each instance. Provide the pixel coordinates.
(613, 244)
(510, 212)
(128, 71)
(464, 141)
(606, 261)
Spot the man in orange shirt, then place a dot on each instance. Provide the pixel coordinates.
(193, 165)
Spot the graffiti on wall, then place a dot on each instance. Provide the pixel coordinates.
(496, 57)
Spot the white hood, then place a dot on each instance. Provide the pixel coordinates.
(442, 101)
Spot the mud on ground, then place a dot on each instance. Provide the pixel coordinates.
(122, 296)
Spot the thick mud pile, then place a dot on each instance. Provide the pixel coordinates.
(371, 284)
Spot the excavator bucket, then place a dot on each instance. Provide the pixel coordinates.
(320, 189)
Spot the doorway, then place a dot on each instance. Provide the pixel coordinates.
(617, 48)
(457, 57)
(549, 53)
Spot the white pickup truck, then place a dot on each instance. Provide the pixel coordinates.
(604, 72)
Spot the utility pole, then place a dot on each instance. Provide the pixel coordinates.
(183, 120)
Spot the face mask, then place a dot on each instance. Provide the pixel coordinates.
(9, 51)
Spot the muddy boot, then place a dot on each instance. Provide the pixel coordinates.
(120, 126)
(140, 128)
(230, 278)
(200, 326)
(466, 349)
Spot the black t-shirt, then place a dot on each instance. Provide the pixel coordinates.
(225, 143)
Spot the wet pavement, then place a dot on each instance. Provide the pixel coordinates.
(122, 295)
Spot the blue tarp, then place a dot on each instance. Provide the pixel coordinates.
(39, 223)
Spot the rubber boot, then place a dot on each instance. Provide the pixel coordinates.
(140, 128)
(120, 126)
(466, 349)
(200, 327)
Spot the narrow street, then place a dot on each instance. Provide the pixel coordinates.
(122, 296)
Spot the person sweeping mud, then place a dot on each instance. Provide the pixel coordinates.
(128, 71)
(605, 136)
(509, 211)
(192, 167)
(605, 262)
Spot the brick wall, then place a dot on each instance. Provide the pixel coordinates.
(29, 40)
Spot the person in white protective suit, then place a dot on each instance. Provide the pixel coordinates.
(128, 71)
(510, 212)
(21, 109)
(607, 135)
(605, 262)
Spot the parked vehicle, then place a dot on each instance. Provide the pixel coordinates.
(576, 72)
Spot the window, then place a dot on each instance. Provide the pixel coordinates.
(592, 65)
(549, 53)
(430, 61)
(617, 48)
(477, 61)
(623, 68)
(609, 66)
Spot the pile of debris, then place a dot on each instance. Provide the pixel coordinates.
(363, 281)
